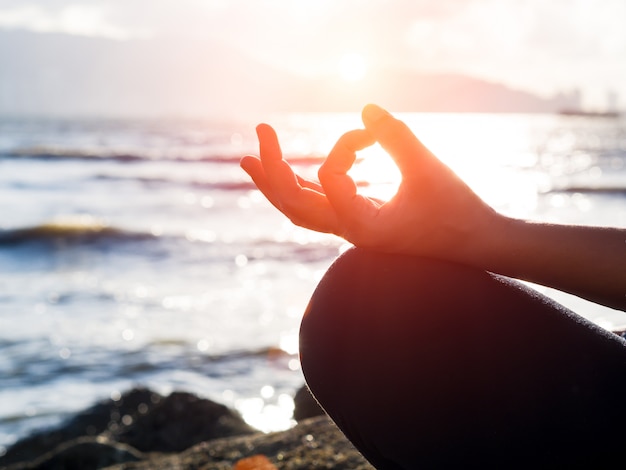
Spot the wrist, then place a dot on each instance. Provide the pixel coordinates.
(489, 240)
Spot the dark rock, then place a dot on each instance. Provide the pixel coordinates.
(306, 406)
(315, 443)
(83, 453)
(140, 418)
(179, 421)
(143, 430)
(107, 414)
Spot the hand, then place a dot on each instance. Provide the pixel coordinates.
(302, 201)
(433, 213)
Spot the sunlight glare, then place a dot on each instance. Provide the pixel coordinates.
(376, 173)
(272, 414)
(289, 342)
(478, 154)
(352, 67)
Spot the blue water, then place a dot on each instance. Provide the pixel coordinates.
(138, 253)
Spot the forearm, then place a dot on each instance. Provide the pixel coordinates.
(589, 262)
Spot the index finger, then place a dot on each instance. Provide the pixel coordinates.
(339, 187)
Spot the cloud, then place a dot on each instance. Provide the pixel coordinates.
(75, 19)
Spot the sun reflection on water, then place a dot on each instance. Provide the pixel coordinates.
(267, 413)
(493, 154)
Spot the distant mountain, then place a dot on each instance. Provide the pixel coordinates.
(71, 75)
(407, 90)
(56, 74)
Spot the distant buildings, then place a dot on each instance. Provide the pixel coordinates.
(570, 104)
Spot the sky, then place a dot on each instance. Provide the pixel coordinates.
(535, 45)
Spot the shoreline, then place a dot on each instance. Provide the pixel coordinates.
(144, 430)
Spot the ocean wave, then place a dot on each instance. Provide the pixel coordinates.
(88, 231)
(599, 190)
(52, 154)
(181, 354)
(193, 184)
(120, 157)
(150, 181)
(69, 232)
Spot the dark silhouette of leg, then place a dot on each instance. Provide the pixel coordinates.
(429, 364)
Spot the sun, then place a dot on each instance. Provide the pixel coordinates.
(352, 67)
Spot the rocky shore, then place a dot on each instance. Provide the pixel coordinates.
(144, 430)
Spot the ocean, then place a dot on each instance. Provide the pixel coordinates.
(137, 253)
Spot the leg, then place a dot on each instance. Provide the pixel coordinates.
(428, 364)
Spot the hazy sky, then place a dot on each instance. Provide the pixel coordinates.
(538, 45)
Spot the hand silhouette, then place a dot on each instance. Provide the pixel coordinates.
(433, 213)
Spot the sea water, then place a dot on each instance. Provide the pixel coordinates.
(137, 253)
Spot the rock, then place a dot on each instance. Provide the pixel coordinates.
(82, 454)
(179, 421)
(105, 415)
(141, 419)
(306, 406)
(143, 430)
(315, 443)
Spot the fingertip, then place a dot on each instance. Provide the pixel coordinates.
(357, 139)
(372, 114)
(370, 138)
(269, 146)
(264, 129)
(252, 166)
(245, 162)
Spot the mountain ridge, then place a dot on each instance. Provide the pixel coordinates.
(63, 75)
